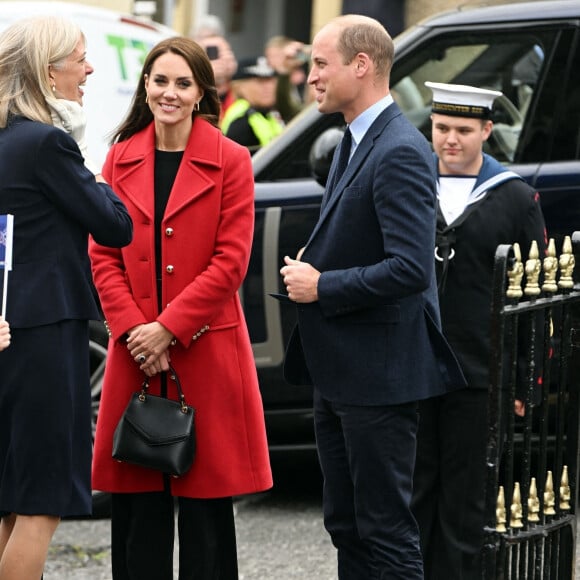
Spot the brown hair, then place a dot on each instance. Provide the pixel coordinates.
(363, 34)
(140, 114)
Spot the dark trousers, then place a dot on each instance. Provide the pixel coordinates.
(367, 456)
(142, 537)
(448, 500)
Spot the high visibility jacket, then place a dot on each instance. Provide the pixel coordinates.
(265, 127)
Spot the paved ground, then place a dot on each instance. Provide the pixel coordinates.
(276, 541)
(280, 537)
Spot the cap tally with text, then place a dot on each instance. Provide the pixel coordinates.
(462, 100)
(254, 68)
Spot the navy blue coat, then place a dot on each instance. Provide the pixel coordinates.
(56, 203)
(373, 337)
(44, 373)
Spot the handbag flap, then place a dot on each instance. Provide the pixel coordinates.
(158, 420)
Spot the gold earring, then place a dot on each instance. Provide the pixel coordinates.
(146, 98)
(196, 106)
(53, 88)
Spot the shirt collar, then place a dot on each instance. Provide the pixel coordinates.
(361, 124)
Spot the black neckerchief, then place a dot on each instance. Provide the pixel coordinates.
(445, 240)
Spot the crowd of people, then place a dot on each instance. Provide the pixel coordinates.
(259, 94)
(164, 231)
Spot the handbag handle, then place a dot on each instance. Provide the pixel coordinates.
(175, 377)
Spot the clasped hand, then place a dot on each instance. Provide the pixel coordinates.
(300, 279)
(148, 345)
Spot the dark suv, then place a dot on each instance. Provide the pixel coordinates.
(529, 51)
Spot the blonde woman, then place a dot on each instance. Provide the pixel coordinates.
(45, 406)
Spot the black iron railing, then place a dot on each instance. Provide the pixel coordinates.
(532, 461)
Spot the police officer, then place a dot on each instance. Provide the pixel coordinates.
(252, 119)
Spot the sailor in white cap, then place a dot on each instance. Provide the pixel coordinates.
(462, 100)
(481, 204)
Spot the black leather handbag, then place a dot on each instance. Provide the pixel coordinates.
(156, 432)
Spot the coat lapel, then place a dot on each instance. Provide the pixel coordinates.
(135, 168)
(193, 179)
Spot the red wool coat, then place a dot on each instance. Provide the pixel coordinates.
(206, 241)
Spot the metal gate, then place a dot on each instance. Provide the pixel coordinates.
(532, 461)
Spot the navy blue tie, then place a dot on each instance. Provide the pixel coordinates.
(343, 155)
(345, 147)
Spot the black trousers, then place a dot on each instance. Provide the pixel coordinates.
(142, 537)
(448, 498)
(367, 455)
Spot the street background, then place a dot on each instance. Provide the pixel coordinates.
(280, 534)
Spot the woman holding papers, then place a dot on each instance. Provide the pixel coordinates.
(45, 397)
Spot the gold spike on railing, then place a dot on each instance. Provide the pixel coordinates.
(533, 268)
(564, 490)
(550, 266)
(533, 502)
(516, 508)
(566, 263)
(500, 513)
(516, 274)
(549, 496)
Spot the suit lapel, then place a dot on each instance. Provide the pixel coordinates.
(363, 150)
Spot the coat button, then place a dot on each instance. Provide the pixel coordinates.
(169, 269)
(169, 232)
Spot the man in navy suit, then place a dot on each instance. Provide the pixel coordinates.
(368, 334)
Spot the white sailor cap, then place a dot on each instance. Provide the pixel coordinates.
(462, 100)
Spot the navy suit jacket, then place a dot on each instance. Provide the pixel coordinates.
(56, 203)
(373, 337)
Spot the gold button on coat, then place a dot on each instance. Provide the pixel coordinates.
(169, 269)
(169, 232)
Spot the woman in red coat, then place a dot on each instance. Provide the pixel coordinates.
(171, 296)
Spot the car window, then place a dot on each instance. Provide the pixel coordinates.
(552, 133)
(567, 133)
(293, 161)
(533, 66)
(508, 62)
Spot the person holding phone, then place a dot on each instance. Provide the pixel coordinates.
(290, 58)
(211, 36)
(212, 51)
